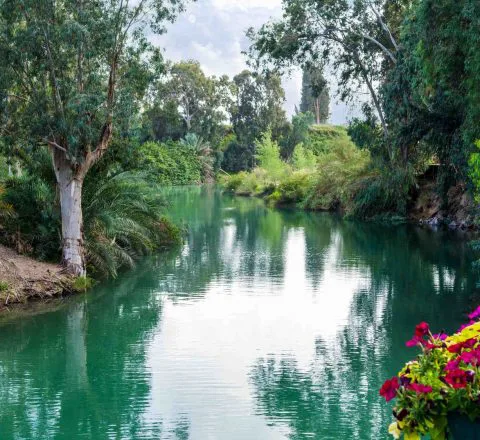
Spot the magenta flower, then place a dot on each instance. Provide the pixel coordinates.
(413, 342)
(457, 348)
(452, 365)
(475, 314)
(457, 378)
(471, 357)
(468, 324)
(440, 336)
(421, 330)
(389, 388)
(420, 388)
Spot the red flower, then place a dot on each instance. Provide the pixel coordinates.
(421, 330)
(420, 388)
(456, 378)
(457, 348)
(389, 389)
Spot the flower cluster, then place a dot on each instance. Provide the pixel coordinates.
(444, 378)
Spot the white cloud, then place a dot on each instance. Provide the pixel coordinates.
(213, 32)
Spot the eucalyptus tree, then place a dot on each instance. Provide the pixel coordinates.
(200, 100)
(353, 35)
(315, 94)
(72, 71)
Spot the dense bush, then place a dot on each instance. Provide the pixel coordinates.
(385, 193)
(339, 173)
(33, 227)
(169, 163)
(324, 180)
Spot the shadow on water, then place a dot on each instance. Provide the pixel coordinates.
(88, 366)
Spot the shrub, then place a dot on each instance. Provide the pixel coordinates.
(321, 137)
(293, 189)
(303, 158)
(171, 163)
(268, 157)
(33, 226)
(339, 171)
(383, 193)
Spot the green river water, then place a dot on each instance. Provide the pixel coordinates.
(266, 325)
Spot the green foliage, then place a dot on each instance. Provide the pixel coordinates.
(191, 102)
(303, 158)
(339, 171)
(34, 226)
(268, 156)
(474, 169)
(298, 133)
(293, 188)
(4, 286)
(169, 163)
(366, 132)
(124, 218)
(385, 193)
(321, 137)
(92, 70)
(326, 181)
(257, 107)
(81, 284)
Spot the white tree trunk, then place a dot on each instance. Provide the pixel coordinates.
(70, 188)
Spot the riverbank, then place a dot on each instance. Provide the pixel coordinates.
(23, 279)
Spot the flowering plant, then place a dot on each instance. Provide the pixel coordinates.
(444, 378)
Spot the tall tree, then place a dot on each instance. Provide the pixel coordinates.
(200, 100)
(431, 97)
(353, 36)
(315, 94)
(257, 107)
(73, 70)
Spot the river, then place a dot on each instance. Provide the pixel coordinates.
(266, 325)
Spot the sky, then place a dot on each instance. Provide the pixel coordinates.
(213, 33)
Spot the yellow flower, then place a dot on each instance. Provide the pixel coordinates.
(394, 430)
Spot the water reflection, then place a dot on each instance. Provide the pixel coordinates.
(266, 325)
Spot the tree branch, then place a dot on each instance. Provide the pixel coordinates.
(381, 46)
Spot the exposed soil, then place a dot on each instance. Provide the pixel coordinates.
(457, 212)
(23, 279)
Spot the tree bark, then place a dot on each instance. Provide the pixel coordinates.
(70, 188)
(317, 110)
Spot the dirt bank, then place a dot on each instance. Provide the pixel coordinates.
(23, 279)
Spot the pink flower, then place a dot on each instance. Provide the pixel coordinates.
(420, 388)
(413, 342)
(475, 314)
(440, 336)
(389, 389)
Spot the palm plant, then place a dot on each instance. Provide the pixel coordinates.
(124, 218)
(203, 150)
